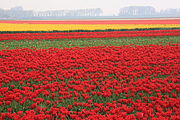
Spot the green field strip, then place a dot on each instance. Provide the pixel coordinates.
(85, 42)
(107, 30)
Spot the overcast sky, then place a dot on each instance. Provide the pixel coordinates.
(108, 6)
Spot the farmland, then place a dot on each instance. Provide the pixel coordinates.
(91, 70)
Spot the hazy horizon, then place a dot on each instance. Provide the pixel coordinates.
(109, 7)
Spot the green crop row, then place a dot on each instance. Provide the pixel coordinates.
(137, 29)
(84, 42)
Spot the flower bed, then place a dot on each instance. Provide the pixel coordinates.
(135, 21)
(69, 27)
(70, 35)
(107, 82)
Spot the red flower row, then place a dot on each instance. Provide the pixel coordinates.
(126, 82)
(39, 36)
(149, 21)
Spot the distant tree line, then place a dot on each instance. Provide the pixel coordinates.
(147, 11)
(14, 13)
(79, 12)
(126, 12)
(18, 12)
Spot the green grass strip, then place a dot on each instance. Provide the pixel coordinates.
(84, 42)
(137, 29)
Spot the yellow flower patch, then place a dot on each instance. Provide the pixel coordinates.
(66, 27)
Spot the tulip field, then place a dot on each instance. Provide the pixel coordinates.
(90, 70)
